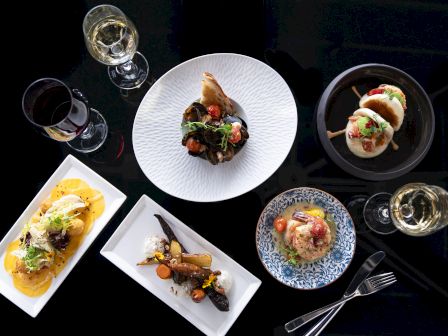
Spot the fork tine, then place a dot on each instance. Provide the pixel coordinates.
(383, 279)
(385, 284)
(380, 276)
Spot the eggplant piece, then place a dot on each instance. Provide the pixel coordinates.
(179, 278)
(219, 300)
(169, 233)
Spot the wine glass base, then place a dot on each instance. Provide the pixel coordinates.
(93, 136)
(134, 77)
(377, 214)
(355, 206)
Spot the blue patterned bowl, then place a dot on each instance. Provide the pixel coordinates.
(309, 275)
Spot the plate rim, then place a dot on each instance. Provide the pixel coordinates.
(108, 253)
(69, 162)
(258, 251)
(337, 158)
(218, 199)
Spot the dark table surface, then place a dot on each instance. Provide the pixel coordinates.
(308, 43)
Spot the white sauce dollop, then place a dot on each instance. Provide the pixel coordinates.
(152, 245)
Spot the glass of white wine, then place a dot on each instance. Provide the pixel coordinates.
(416, 209)
(112, 39)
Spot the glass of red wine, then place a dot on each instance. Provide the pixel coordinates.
(64, 114)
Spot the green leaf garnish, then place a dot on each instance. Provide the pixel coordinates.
(225, 130)
(34, 258)
(58, 222)
(392, 95)
(292, 254)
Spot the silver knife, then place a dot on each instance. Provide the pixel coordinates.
(363, 273)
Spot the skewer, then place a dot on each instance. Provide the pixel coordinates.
(395, 146)
(356, 92)
(332, 135)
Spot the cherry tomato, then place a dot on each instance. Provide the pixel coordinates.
(235, 137)
(193, 145)
(367, 145)
(280, 224)
(214, 111)
(376, 91)
(354, 133)
(369, 124)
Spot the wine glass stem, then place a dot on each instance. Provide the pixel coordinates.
(384, 212)
(406, 210)
(88, 131)
(127, 68)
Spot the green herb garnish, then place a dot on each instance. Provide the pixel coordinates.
(391, 94)
(58, 222)
(292, 254)
(33, 258)
(225, 130)
(374, 127)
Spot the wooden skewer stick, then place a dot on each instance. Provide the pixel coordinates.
(356, 92)
(331, 134)
(395, 146)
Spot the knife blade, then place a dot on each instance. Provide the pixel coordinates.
(363, 273)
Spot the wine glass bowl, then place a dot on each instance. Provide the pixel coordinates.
(416, 209)
(414, 138)
(112, 39)
(64, 114)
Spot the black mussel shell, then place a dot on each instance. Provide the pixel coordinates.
(212, 139)
(229, 153)
(212, 157)
(195, 112)
(231, 119)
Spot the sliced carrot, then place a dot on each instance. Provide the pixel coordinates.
(163, 271)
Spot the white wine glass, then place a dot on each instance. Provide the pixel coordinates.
(416, 209)
(112, 39)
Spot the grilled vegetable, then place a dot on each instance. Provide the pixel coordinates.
(176, 251)
(148, 261)
(219, 300)
(201, 260)
(163, 271)
(167, 230)
(190, 270)
(197, 295)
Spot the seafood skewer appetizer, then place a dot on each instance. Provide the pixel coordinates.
(371, 128)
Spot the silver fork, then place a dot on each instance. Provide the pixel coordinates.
(369, 286)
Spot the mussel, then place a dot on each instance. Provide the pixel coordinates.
(208, 135)
(195, 112)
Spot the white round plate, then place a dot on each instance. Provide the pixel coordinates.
(268, 108)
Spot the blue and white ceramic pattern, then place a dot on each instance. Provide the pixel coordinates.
(310, 275)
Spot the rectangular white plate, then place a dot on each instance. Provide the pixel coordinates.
(125, 249)
(69, 168)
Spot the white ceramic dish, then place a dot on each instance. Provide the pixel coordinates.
(69, 168)
(125, 249)
(268, 108)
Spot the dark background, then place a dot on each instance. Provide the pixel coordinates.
(308, 43)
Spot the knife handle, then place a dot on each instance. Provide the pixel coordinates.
(301, 320)
(323, 322)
